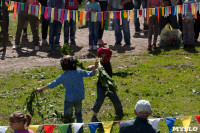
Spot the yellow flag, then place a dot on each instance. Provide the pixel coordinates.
(150, 12)
(107, 126)
(178, 9)
(34, 128)
(39, 13)
(192, 8)
(153, 11)
(84, 16)
(125, 14)
(52, 14)
(186, 121)
(77, 17)
(131, 15)
(111, 15)
(163, 11)
(68, 16)
(29, 9)
(11, 5)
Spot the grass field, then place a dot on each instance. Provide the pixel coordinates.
(169, 81)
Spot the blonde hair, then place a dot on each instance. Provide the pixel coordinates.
(20, 117)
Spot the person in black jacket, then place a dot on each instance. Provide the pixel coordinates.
(140, 124)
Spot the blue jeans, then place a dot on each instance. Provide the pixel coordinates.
(93, 32)
(113, 97)
(125, 28)
(69, 26)
(68, 111)
(55, 29)
(137, 6)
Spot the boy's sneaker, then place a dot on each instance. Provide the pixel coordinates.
(37, 48)
(50, 47)
(94, 118)
(95, 47)
(90, 48)
(57, 47)
(24, 35)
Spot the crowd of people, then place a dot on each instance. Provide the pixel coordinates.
(186, 23)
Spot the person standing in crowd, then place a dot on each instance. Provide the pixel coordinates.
(70, 26)
(7, 15)
(197, 26)
(22, 17)
(104, 5)
(92, 7)
(138, 4)
(188, 25)
(117, 5)
(56, 25)
(153, 24)
(140, 124)
(45, 24)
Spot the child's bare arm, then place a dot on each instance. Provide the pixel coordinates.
(42, 88)
(95, 67)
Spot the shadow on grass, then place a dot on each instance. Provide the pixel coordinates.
(121, 48)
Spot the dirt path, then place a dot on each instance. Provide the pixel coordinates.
(26, 57)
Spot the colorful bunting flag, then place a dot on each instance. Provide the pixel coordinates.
(107, 126)
(48, 128)
(186, 121)
(77, 126)
(154, 122)
(18, 7)
(15, 10)
(34, 128)
(170, 123)
(198, 118)
(93, 127)
(63, 128)
(3, 129)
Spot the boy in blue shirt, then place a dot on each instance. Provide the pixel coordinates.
(72, 80)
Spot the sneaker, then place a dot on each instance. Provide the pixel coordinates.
(57, 47)
(137, 30)
(128, 44)
(37, 48)
(90, 48)
(94, 118)
(15, 46)
(95, 47)
(24, 35)
(50, 47)
(101, 42)
(118, 43)
(44, 41)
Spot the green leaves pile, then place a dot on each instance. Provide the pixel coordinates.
(105, 79)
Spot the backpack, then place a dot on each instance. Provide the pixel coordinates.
(71, 4)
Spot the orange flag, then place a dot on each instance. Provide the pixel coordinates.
(158, 13)
(195, 11)
(15, 10)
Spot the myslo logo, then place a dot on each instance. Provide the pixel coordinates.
(185, 129)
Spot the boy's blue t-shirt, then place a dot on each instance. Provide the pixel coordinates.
(72, 81)
(95, 6)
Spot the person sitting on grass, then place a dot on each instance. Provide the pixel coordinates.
(72, 80)
(140, 124)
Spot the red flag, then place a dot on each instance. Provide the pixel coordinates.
(140, 12)
(118, 15)
(198, 118)
(48, 128)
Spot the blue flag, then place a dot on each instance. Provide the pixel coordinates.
(93, 127)
(170, 123)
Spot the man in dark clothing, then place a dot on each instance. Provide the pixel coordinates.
(140, 124)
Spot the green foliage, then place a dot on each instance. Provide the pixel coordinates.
(105, 79)
(65, 50)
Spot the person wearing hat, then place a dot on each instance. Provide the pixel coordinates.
(140, 124)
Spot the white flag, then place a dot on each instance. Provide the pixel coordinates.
(3, 129)
(77, 126)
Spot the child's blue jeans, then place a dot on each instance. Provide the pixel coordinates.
(68, 111)
(55, 30)
(69, 31)
(93, 32)
(113, 97)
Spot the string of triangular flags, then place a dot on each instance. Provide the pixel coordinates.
(108, 125)
(82, 16)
